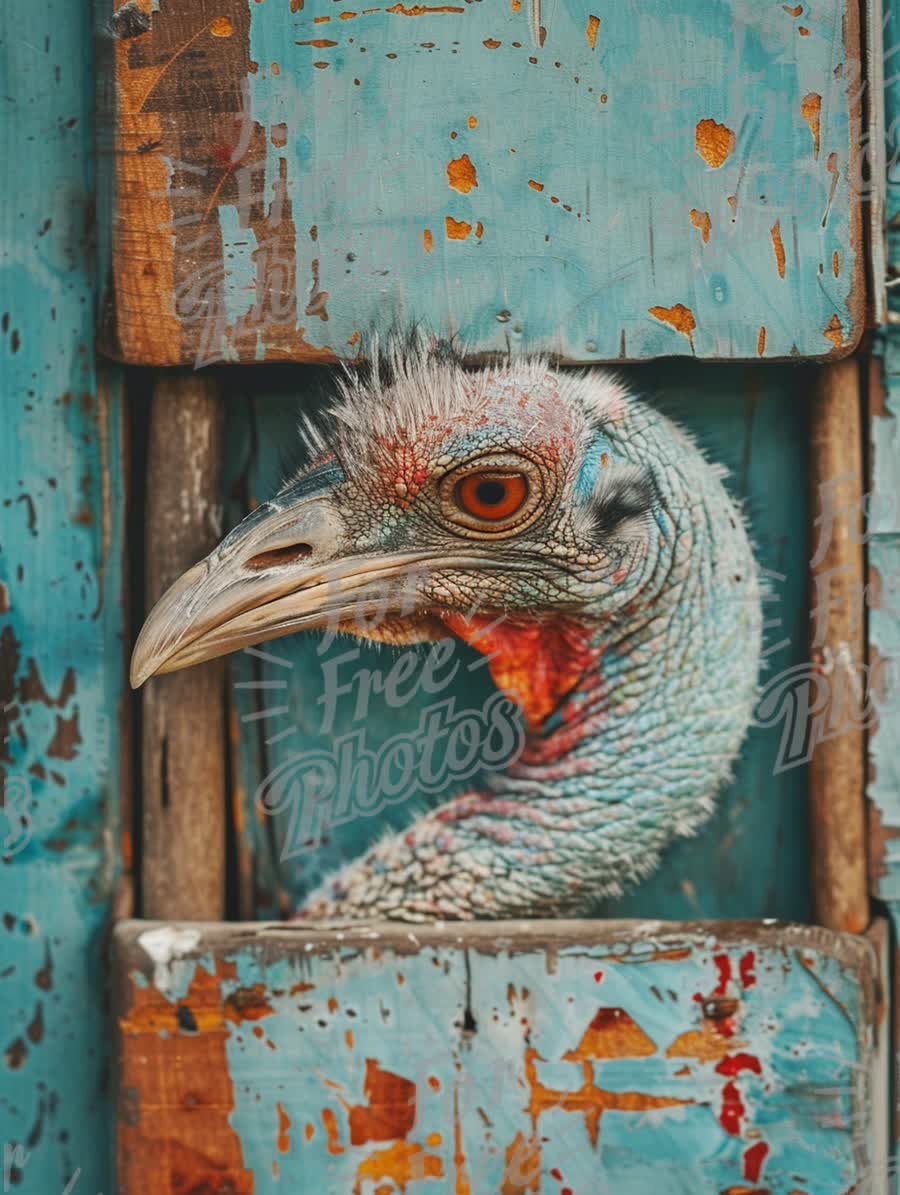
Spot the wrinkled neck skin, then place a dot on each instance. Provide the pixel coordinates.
(648, 709)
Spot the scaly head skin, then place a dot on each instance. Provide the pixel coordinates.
(574, 535)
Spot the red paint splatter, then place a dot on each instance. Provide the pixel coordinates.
(735, 1063)
(732, 1110)
(555, 1173)
(753, 1161)
(746, 968)
(598, 977)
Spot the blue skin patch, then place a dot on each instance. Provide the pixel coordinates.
(589, 473)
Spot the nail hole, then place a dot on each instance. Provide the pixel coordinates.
(287, 555)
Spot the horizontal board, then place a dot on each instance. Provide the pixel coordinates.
(577, 178)
(509, 1057)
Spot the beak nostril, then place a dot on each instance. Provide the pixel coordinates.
(290, 554)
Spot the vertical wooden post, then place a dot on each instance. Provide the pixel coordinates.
(184, 745)
(837, 650)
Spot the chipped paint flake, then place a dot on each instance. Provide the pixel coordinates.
(679, 317)
(714, 142)
(461, 174)
(702, 223)
(593, 27)
(457, 230)
(810, 110)
(778, 247)
(165, 944)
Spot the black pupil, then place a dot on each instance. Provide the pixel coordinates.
(491, 493)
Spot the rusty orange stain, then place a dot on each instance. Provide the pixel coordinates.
(247, 1004)
(434, 1083)
(810, 110)
(515, 5)
(433, 1140)
(705, 1044)
(612, 1034)
(461, 1185)
(320, 43)
(323, 20)
(189, 1068)
(593, 25)
(472, 122)
(296, 5)
(279, 135)
(346, 16)
(320, 66)
(428, 240)
(701, 222)
(479, 230)
(535, 186)
(491, 43)
(419, 10)
(390, 1108)
(310, 1131)
(679, 317)
(284, 1127)
(348, 1038)
(714, 142)
(834, 332)
(402, 1162)
(761, 342)
(732, 203)
(329, 1121)
(588, 1100)
(221, 27)
(457, 230)
(803, 31)
(332, 1005)
(778, 246)
(461, 174)
(522, 1168)
(793, 12)
(835, 263)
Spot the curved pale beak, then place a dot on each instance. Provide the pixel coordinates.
(289, 566)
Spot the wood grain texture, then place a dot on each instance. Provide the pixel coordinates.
(751, 860)
(586, 182)
(184, 742)
(837, 652)
(62, 666)
(502, 1057)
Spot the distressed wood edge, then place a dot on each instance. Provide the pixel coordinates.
(883, 1127)
(858, 296)
(837, 764)
(275, 939)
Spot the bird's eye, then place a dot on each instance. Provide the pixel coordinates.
(492, 494)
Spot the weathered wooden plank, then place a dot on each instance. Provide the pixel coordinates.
(61, 651)
(184, 798)
(752, 860)
(837, 652)
(579, 179)
(513, 1057)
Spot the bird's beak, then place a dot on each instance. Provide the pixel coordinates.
(287, 567)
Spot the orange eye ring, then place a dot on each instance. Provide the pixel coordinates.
(492, 494)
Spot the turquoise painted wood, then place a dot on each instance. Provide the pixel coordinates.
(577, 1057)
(749, 861)
(587, 178)
(61, 651)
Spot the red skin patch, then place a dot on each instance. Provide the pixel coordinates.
(537, 663)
